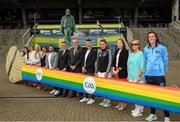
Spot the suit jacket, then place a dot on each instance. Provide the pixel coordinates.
(53, 60)
(122, 62)
(76, 59)
(90, 61)
(63, 58)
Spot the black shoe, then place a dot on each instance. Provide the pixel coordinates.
(64, 95)
(69, 96)
(60, 94)
(80, 95)
(72, 96)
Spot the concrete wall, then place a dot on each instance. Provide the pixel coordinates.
(9, 38)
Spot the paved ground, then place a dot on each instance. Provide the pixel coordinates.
(23, 103)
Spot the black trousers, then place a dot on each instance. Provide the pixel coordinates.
(89, 96)
(56, 88)
(158, 81)
(77, 70)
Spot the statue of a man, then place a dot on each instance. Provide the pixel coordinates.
(67, 26)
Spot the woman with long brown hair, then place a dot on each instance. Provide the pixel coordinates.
(156, 59)
(119, 65)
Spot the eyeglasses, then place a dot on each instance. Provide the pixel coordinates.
(134, 44)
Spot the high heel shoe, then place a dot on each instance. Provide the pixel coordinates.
(123, 105)
(118, 106)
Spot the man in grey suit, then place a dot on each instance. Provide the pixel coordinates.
(52, 63)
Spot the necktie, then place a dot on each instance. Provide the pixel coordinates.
(74, 51)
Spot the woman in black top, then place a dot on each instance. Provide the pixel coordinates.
(25, 54)
(119, 65)
(44, 56)
(104, 60)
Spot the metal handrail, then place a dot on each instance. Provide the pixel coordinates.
(26, 32)
(29, 40)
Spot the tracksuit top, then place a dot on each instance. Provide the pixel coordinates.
(104, 60)
(156, 60)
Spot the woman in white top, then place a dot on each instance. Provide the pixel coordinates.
(35, 59)
(35, 56)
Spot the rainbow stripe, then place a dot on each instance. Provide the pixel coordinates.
(154, 96)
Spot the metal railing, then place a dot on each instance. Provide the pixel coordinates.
(26, 35)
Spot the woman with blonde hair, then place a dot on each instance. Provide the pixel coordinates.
(136, 69)
(35, 56)
(35, 59)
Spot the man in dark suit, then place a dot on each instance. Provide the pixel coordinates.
(63, 57)
(75, 59)
(88, 68)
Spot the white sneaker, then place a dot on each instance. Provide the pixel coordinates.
(137, 112)
(106, 105)
(91, 101)
(103, 102)
(134, 110)
(151, 117)
(84, 99)
(167, 119)
(52, 92)
(56, 92)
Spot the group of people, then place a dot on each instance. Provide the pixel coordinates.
(148, 66)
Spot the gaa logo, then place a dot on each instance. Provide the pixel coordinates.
(157, 51)
(89, 85)
(39, 74)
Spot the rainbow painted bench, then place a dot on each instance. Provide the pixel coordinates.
(154, 96)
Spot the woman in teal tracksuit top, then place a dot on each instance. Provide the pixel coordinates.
(156, 61)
